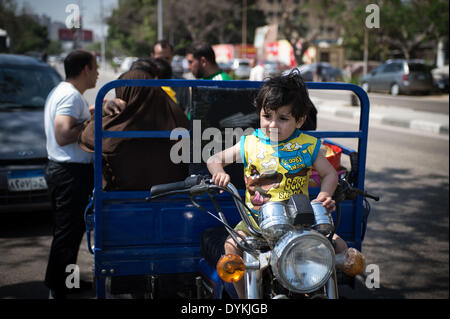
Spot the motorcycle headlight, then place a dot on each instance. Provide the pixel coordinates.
(303, 261)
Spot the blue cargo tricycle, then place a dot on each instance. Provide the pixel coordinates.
(168, 242)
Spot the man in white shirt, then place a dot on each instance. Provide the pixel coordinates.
(69, 173)
(257, 72)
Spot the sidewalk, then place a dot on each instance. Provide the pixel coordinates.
(389, 115)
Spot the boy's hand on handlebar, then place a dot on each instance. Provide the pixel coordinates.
(221, 179)
(327, 201)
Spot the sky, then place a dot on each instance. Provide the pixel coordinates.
(89, 9)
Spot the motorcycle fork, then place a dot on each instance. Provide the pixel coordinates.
(331, 286)
(252, 277)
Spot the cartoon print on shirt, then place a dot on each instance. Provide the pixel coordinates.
(261, 152)
(294, 183)
(258, 185)
(271, 163)
(294, 157)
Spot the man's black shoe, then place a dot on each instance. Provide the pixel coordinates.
(57, 294)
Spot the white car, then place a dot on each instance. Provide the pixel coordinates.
(241, 68)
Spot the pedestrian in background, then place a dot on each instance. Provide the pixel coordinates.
(202, 63)
(257, 71)
(69, 173)
(163, 49)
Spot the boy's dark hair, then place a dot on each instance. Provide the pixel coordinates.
(202, 49)
(75, 62)
(147, 65)
(285, 90)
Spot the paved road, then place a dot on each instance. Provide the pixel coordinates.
(431, 103)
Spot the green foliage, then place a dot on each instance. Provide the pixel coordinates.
(25, 33)
(133, 26)
(404, 26)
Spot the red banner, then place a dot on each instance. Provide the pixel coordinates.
(70, 34)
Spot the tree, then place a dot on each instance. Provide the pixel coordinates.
(405, 25)
(293, 28)
(212, 21)
(351, 16)
(25, 33)
(202, 18)
(408, 24)
(132, 26)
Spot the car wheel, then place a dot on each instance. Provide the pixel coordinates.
(365, 86)
(395, 89)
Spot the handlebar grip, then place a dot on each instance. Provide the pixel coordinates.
(375, 198)
(187, 183)
(366, 194)
(164, 188)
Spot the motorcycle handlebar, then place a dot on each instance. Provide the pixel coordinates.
(197, 185)
(349, 192)
(169, 187)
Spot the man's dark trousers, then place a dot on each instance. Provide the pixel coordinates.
(70, 185)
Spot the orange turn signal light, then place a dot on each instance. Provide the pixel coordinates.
(231, 268)
(351, 262)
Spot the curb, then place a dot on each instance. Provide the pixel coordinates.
(400, 117)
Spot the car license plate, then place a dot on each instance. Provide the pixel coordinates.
(22, 181)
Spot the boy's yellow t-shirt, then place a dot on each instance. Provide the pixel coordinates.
(276, 171)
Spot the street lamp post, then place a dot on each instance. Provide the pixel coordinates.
(366, 50)
(244, 28)
(160, 20)
(103, 44)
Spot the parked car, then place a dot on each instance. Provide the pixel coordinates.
(272, 68)
(25, 83)
(329, 73)
(241, 68)
(225, 66)
(177, 67)
(399, 76)
(440, 76)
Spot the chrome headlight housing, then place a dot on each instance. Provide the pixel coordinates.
(274, 221)
(303, 261)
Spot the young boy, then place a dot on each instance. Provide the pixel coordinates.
(277, 157)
